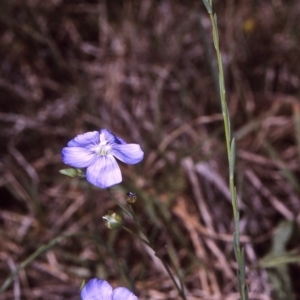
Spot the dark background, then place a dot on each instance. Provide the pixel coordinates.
(146, 70)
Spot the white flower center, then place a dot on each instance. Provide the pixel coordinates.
(102, 149)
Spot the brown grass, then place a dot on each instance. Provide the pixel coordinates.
(144, 71)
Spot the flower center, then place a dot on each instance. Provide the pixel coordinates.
(102, 149)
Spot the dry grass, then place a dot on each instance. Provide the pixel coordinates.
(143, 70)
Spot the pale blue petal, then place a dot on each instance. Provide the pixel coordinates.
(122, 293)
(106, 135)
(84, 140)
(78, 157)
(96, 289)
(104, 172)
(128, 153)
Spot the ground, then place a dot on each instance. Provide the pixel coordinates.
(147, 71)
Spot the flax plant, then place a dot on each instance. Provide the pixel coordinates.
(230, 146)
(142, 237)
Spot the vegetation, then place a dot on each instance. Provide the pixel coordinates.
(147, 71)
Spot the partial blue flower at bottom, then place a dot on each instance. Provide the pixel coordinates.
(97, 289)
(96, 151)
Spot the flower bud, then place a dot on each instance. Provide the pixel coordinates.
(71, 172)
(131, 197)
(112, 220)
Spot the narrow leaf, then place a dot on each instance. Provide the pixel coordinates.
(232, 158)
(208, 6)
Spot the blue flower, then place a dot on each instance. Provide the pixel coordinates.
(97, 289)
(96, 151)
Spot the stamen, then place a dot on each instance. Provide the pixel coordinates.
(102, 149)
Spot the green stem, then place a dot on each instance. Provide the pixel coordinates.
(119, 204)
(130, 212)
(137, 236)
(166, 266)
(32, 257)
(230, 146)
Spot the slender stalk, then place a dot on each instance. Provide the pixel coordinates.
(166, 266)
(52, 244)
(137, 236)
(31, 258)
(230, 146)
(130, 212)
(119, 204)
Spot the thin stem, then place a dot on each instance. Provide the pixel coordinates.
(130, 212)
(230, 146)
(166, 266)
(119, 204)
(137, 236)
(180, 291)
(32, 257)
